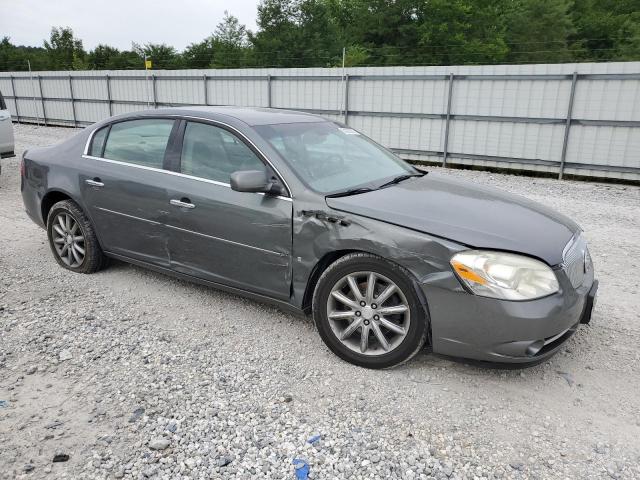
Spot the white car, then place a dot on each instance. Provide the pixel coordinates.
(6, 131)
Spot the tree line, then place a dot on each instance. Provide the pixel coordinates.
(316, 33)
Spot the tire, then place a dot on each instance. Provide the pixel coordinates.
(61, 232)
(391, 338)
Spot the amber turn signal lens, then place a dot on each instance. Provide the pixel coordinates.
(467, 274)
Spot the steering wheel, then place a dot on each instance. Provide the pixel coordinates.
(321, 169)
(336, 158)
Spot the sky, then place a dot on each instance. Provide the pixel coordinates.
(119, 22)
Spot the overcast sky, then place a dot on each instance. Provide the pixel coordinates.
(119, 22)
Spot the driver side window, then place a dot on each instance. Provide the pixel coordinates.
(214, 153)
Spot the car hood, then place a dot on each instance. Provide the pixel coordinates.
(475, 216)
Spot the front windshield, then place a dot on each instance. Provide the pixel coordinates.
(332, 159)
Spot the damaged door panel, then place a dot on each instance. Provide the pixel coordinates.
(129, 208)
(239, 239)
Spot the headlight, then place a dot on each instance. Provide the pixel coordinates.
(504, 275)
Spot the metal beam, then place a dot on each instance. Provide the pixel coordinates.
(73, 102)
(361, 113)
(44, 110)
(567, 127)
(346, 100)
(400, 77)
(109, 100)
(268, 91)
(205, 89)
(427, 77)
(447, 122)
(153, 86)
(15, 98)
(524, 161)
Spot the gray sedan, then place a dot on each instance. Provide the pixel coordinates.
(313, 216)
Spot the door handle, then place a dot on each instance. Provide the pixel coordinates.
(94, 183)
(183, 202)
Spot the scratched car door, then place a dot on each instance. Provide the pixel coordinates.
(238, 239)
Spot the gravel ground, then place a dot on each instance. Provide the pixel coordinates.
(132, 374)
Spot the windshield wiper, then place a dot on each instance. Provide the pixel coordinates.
(353, 191)
(401, 178)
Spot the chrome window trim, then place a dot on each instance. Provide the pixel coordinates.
(187, 117)
(177, 174)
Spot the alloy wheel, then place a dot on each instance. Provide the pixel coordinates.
(368, 313)
(68, 240)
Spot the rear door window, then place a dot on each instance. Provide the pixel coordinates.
(142, 142)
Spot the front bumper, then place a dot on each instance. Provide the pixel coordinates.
(468, 326)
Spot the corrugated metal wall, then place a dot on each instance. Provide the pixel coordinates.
(581, 119)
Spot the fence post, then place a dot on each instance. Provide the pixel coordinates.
(109, 100)
(15, 98)
(73, 102)
(567, 125)
(206, 94)
(269, 91)
(346, 99)
(153, 85)
(445, 148)
(33, 91)
(44, 110)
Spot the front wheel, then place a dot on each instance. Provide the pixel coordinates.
(367, 312)
(72, 239)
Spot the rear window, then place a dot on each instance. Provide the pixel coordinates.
(142, 142)
(3, 106)
(97, 143)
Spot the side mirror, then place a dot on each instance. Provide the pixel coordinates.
(254, 181)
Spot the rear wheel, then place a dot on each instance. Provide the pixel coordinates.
(367, 311)
(72, 239)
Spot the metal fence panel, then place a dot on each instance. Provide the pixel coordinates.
(607, 100)
(573, 118)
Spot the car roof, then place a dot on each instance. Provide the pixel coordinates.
(250, 115)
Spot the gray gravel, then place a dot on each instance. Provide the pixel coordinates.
(132, 374)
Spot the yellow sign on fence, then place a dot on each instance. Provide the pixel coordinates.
(147, 64)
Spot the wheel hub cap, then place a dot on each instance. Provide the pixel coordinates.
(368, 313)
(68, 239)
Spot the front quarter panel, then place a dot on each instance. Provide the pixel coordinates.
(424, 256)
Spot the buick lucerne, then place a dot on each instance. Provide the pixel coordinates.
(312, 215)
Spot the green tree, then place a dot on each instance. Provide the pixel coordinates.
(460, 32)
(355, 55)
(17, 58)
(606, 30)
(101, 57)
(538, 31)
(295, 33)
(200, 54)
(64, 51)
(162, 56)
(104, 57)
(229, 42)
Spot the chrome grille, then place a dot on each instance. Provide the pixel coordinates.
(574, 262)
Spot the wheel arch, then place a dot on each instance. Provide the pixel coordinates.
(316, 272)
(330, 257)
(54, 196)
